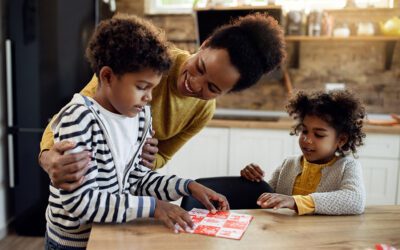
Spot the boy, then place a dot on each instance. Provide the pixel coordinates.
(128, 56)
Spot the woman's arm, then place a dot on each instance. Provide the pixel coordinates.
(88, 202)
(65, 171)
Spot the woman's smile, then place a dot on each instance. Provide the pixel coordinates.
(187, 84)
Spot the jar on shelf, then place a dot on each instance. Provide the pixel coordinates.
(295, 23)
(341, 30)
(314, 23)
(327, 26)
(365, 29)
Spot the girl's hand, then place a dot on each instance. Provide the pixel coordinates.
(206, 196)
(272, 200)
(252, 172)
(149, 152)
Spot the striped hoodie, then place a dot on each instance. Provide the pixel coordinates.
(105, 196)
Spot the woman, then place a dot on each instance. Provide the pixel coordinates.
(233, 58)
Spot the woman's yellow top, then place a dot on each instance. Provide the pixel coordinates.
(307, 183)
(176, 118)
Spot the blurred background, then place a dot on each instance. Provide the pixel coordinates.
(351, 44)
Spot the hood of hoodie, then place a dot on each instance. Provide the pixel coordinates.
(77, 99)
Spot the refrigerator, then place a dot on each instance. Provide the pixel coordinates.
(45, 65)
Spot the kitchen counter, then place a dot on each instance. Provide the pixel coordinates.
(287, 123)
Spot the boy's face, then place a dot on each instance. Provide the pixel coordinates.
(318, 140)
(127, 94)
(207, 74)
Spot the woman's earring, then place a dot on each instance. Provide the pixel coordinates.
(338, 152)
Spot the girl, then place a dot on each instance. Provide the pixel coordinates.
(325, 179)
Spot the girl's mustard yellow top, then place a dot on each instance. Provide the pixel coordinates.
(306, 183)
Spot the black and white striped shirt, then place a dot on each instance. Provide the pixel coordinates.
(105, 196)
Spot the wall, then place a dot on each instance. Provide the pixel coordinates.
(3, 166)
(180, 29)
(358, 64)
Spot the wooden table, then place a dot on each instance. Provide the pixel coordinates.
(269, 230)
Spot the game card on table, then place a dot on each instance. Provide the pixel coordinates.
(223, 224)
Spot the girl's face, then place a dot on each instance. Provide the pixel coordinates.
(126, 94)
(207, 74)
(318, 140)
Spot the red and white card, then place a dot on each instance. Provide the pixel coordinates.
(221, 224)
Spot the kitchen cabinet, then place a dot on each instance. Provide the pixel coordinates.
(204, 155)
(225, 151)
(380, 179)
(380, 159)
(398, 188)
(217, 151)
(267, 148)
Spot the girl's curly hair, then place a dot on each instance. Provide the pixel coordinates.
(339, 108)
(127, 43)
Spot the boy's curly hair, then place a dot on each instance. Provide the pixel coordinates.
(255, 44)
(127, 43)
(339, 108)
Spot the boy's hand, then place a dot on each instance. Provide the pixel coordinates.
(206, 196)
(65, 171)
(171, 215)
(149, 152)
(252, 172)
(272, 200)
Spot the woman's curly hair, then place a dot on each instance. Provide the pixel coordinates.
(255, 44)
(339, 108)
(127, 43)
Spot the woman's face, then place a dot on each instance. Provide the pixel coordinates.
(207, 74)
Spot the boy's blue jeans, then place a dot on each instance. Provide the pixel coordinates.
(50, 244)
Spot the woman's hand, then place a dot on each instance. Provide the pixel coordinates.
(206, 196)
(172, 215)
(252, 172)
(65, 171)
(149, 152)
(272, 200)
(396, 118)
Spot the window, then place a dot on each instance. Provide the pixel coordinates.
(168, 6)
(185, 6)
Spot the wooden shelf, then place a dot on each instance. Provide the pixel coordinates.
(351, 38)
(390, 43)
(360, 9)
(262, 7)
